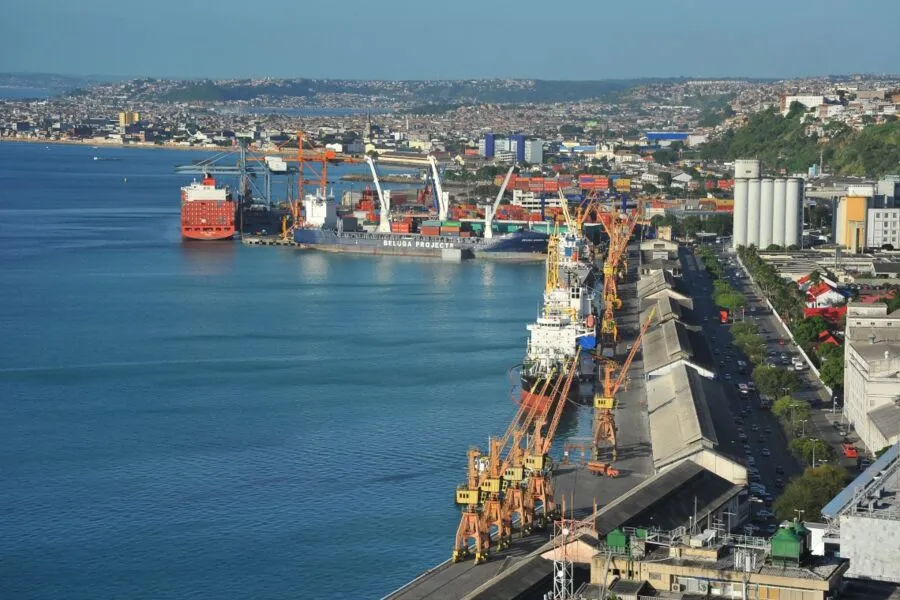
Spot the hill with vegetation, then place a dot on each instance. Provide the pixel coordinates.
(443, 94)
(790, 142)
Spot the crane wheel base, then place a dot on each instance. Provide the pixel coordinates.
(460, 555)
(480, 557)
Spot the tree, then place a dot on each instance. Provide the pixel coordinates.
(810, 492)
(807, 330)
(649, 188)
(771, 380)
(665, 180)
(808, 449)
(832, 370)
(788, 408)
(744, 328)
(815, 277)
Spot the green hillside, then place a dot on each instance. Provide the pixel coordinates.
(786, 142)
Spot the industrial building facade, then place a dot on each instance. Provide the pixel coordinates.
(766, 211)
(871, 373)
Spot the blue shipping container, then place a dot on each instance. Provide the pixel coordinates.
(587, 342)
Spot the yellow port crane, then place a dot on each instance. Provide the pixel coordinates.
(479, 495)
(604, 403)
(536, 460)
(619, 227)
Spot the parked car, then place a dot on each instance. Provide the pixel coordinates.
(765, 452)
(765, 514)
(780, 470)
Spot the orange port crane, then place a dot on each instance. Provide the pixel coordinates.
(480, 495)
(537, 463)
(306, 158)
(619, 229)
(496, 488)
(604, 420)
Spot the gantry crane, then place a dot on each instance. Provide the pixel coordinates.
(604, 420)
(496, 511)
(537, 461)
(305, 159)
(619, 228)
(471, 525)
(496, 487)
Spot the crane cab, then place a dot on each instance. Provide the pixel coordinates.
(602, 402)
(537, 462)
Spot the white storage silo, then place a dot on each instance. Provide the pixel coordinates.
(749, 168)
(779, 211)
(753, 197)
(767, 190)
(793, 219)
(839, 221)
(739, 229)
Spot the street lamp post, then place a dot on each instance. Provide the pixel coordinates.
(803, 427)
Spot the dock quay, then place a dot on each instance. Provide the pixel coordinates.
(269, 240)
(579, 487)
(682, 473)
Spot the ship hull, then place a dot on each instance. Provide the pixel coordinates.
(524, 245)
(208, 236)
(530, 399)
(207, 220)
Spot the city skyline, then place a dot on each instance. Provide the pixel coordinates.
(663, 39)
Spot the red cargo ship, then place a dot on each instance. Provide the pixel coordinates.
(207, 211)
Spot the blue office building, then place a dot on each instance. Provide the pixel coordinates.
(489, 145)
(519, 140)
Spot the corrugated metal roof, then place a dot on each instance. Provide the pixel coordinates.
(665, 344)
(680, 421)
(845, 496)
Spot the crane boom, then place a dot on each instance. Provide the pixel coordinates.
(384, 222)
(442, 200)
(560, 404)
(490, 211)
(634, 349)
(564, 203)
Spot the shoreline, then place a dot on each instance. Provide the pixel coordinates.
(140, 145)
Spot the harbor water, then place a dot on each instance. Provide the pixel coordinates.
(213, 421)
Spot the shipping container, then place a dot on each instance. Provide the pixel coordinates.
(429, 230)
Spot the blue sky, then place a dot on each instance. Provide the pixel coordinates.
(457, 39)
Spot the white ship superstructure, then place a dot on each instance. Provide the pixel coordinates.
(567, 312)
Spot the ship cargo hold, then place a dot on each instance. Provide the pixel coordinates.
(207, 211)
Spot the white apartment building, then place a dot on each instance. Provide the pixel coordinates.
(883, 227)
(872, 373)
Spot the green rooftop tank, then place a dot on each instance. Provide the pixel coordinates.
(786, 547)
(617, 540)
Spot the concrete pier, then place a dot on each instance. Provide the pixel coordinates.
(572, 483)
(267, 241)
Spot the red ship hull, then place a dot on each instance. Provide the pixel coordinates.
(207, 220)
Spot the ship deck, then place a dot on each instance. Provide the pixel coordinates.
(580, 489)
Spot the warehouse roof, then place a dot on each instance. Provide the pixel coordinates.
(680, 420)
(666, 500)
(658, 281)
(667, 308)
(666, 344)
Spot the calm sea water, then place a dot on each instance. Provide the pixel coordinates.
(211, 421)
